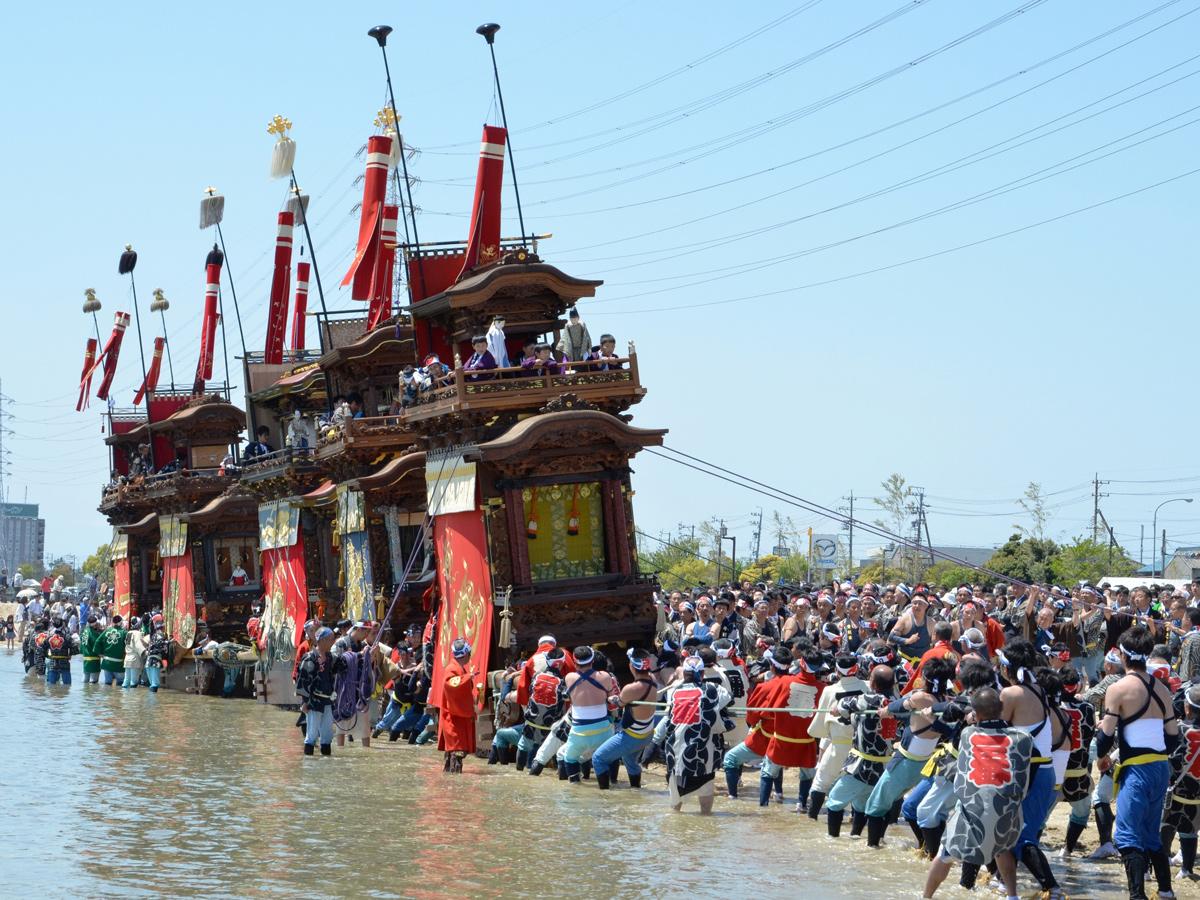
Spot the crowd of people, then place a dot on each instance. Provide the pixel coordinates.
(968, 714)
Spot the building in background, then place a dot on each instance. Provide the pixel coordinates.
(22, 535)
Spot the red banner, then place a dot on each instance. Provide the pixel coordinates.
(179, 599)
(150, 383)
(465, 581)
(278, 313)
(122, 601)
(285, 596)
(483, 246)
(85, 380)
(362, 267)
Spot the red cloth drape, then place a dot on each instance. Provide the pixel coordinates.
(285, 591)
(110, 354)
(465, 584)
(385, 264)
(208, 328)
(277, 314)
(179, 599)
(122, 595)
(362, 267)
(85, 379)
(301, 310)
(483, 246)
(150, 384)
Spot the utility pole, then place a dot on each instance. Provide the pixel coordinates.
(720, 548)
(691, 529)
(1142, 547)
(920, 531)
(1096, 495)
(850, 527)
(757, 534)
(1162, 573)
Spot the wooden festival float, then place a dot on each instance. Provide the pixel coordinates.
(497, 502)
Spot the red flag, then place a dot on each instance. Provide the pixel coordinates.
(483, 246)
(460, 541)
(150, 384)
(85, 380)
(301, 306)
(362, 267)
(109, 355)
(385, 262)
(277, 316)
(208, 328)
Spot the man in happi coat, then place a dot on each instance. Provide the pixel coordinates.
(456, 724)
(989, 783)
(696, 710)
(112, 652)
(89, 649)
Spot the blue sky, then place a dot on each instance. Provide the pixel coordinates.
(781, 329)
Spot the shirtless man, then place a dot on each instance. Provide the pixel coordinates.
(636, 726)
(913, 634)
(1026, 709)
(1140, 719)
(589, 692)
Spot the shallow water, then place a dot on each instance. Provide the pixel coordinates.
(111, 793)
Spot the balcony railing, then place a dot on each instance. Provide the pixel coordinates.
(602, 382)
(163, 484)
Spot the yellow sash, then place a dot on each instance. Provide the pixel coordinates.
(868, 757)
(913, 756)
(789, 740)
(1140, 760)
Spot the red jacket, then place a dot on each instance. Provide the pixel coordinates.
(937, 651)
(789, 744)
(527, 673)
(756, 741)
(456, 724)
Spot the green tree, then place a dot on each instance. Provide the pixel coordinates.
(766, 568)
(895, 500)
(680, 564)
(33, 569)
(1025, 559)
(1035, 505)
(62, 567)
(945, 575)
(1088, 560)
(98, 563)
(793, 569)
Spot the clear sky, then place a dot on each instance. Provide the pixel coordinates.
(755, 207)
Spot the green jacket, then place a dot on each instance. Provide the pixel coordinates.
(89, 648)
(112, 649)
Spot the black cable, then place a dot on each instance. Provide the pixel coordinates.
(915, 259)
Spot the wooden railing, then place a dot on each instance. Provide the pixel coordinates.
(518, 386)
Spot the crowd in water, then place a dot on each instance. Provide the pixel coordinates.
(968, 714)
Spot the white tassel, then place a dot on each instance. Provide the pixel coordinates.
(283, 156)
(298, 207)
(394, 155)
(212, 210)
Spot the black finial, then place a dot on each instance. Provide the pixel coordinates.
(488, 30)
(215, 257)
(128, 261)
(380, 33)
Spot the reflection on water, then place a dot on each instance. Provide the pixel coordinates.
(109, 792)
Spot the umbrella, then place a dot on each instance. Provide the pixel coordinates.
(28, 593)
(31, 583)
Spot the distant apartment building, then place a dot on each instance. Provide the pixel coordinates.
(22, 535)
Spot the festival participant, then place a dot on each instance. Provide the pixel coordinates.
(1139, 719)
(870, 750)
(1077, 781)
(536, 663)
(695, 708)
(547, 701)
(135, 649)
(1027, 709)
(912, 633)
(943, 633)
(354, 683)
(482, 361)
(589, 691)
(928, 805)
(739, 685)
(754, 747)
(917, 744)
(794, 700)
(834, 733)
(1102, 795)
(157, 650)
(314, 687)
(1182, 814)
(60, 646)
(989, 781)
(112, 652)
(456, 722)
(636, 724)
(89, 648)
